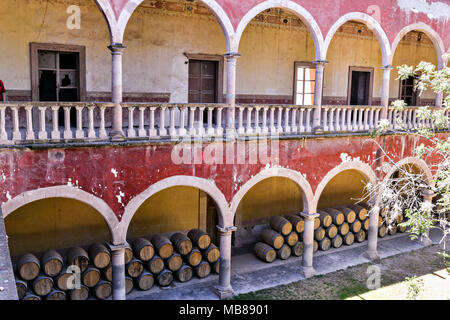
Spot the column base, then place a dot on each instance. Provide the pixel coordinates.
(371, 255)
(318, 130)
(307, 272)
(116, 136)
(224, 292)
(425, 241)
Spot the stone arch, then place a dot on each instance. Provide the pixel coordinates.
(70, 193)
(299, 179)
(419, 163)
(302, 13)
(372, 23)
(203, 184)
(361, 167)
(430, 32)
(118, 25)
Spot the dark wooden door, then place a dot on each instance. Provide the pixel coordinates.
(360, 90)
(202, 81)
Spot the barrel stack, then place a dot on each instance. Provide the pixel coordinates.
(157, 260)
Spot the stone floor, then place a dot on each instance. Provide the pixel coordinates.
(250, 274)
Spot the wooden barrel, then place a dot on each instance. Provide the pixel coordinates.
(382, 231)
(344, 229)
(99, 255)
(155, 265)
(52, 263)
(42, 285)
(284, 252)
(383, 212)
(331, 231)
(280, 224)
(265, 252)
(380, 221)
(203, 270)
(400, 218)
(79, 294)
(145, 281)
(31, 297)
(361, 212)
(103, 290)
(298, 224)
(185, 273)
(174, 262)
(22, 288)
(401, 229)
(164, 278)
(349, 238)
(325, 244)
(128, 254)
(211, 254)
(325, 218)
(355, 226)
(273, 238)
(337, 216)
(129, 285)
(199, 238)
(291, 239)
(349, 213)
(216, 267)
(365, 224)
(79, 257)
(360, 236)
(28, 266)
(297, 249)
(319, 234)
(143, 249)
(90, 277)
(315, 246)
(107, 273)
(163, 246)
(337, 241)
(56, 295)
(65, 279)
(194, 258)
(135, 268)
(392, 229)
(316, 223)
(182, 243)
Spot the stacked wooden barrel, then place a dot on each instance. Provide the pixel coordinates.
(158, 260)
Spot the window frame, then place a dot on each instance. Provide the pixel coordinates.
(298, 64)
(349, 83)
(415, 96)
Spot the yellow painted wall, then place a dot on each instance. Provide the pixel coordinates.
(54, 223)
(271, 197)
(173, 209)
(345, 188)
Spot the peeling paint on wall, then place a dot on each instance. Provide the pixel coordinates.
(434, 10)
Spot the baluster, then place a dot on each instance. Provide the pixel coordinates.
(3, 133)
(16, 136)
(308, 120)
(91, 130)
(371, 115)
(377, 118)
(265, 129)
(102, 130)
(360, 119)
(366, 119)
(172, 130)
(219, 128)
(272, 120)
(287, 127)
(249, 129)
(331, 120)
(142, 132)
(279, 121)
(162, 121)
(257, 127)
(131, 133)
(350, 113)
(182, 130)
(42, 134)
(210, 130)
(79, 133)
(343, 119)
(30, 131)
(325, 119)
(355, 119)
(337, 119)
(302, 125)
(191, 121)
(294, 127)
(200, 127)
(152, 132)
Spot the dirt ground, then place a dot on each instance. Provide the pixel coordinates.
(351, 283)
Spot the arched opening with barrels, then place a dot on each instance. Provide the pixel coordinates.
(58, 242)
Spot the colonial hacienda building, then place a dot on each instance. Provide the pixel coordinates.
(129, 118)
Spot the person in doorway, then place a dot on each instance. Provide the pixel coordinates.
(2, 91)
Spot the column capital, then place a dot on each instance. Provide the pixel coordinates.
(226, 229)
(387, 67)
(320, 62)
(116, 48)
(114, 247)
(230, 55)
(309, 216)
(427, 193)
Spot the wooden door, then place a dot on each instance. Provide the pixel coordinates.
(203, 81)
(360, 85)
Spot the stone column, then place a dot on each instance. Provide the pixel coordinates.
(224, 289)
(118, 271)
(427, 195)
(439, 99)
(372, 253)
(385, 90)
(116, 90)
(318, 90)
(308, 245)
(231, 92)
